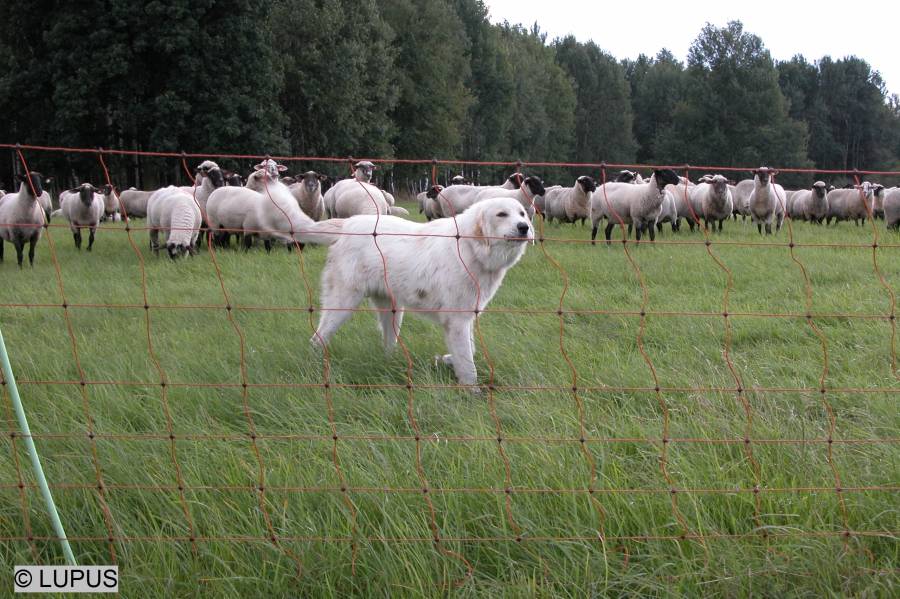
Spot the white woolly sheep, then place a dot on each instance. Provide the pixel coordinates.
(352, 197)
(175, 212)
(82, 207)
(629, 203)
(810, 204)
(277, 216)
(456, 198)
(712, 201)
(398, 211)
(569, 204)
(227, 207)
(134, 202)
(308, 193)
(851, 204)
(892, 208)
(22, 217)
(766, 201)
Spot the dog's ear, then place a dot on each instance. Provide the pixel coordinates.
(478, 229)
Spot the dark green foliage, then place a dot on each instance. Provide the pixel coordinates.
(603, 127)
(413, 79)
(733, 111)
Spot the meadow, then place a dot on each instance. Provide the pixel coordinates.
(569, 475)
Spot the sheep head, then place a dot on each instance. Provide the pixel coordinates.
(665, 176)
(587, 184)
(820, 189)
(534, 185)
(625, 177)
(364, 171)
(33, 183)
(516, 179)
(434, 191)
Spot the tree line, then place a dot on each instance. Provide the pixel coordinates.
(414, 79)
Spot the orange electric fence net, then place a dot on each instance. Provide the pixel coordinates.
(855, 506)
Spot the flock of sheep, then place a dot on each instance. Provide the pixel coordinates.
(290, 210)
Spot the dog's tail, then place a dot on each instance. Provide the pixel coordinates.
(324, 232)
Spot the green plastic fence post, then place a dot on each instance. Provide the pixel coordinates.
(32, 452)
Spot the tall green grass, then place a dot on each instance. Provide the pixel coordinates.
(803, 553)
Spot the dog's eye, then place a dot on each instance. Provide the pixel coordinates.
(521, 214)
(502, 214)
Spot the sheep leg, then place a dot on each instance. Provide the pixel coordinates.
(268, 245)
(458, 336)
(247, 242)
(638, 230)
(652, 231)
(629, 231)
(76, 234)
(608, 232)
(759, 228)
(31, 244)
(768, 228)
(91, 238)
(1, 249)
(19, 245)
(594, 234)
(389, 322)
(154, 241)
(659, 227)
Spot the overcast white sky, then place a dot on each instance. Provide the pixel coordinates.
(865, 28)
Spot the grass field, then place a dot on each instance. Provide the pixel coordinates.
(541, 537)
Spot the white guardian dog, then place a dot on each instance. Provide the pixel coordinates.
(448, 268)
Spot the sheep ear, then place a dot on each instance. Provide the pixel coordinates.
(281, 168)
(323, 178)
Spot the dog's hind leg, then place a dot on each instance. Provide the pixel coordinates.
(337, 308)
(389, 321)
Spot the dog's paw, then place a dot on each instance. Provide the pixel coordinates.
(445, 359)
(316, 343)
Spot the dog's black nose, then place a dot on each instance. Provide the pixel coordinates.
(523, 229)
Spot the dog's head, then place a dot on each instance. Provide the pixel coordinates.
(502, 220)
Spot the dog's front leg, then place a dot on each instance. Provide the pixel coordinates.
(458, 334)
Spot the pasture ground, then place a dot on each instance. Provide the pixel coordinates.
(544, 529)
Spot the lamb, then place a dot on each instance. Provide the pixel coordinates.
(878, 202)
(628, 203)
(82, 207)
(681, 198)
(667, 212)
(22, 217)
(456, 198)
(742, 193)
(810, 204)
(110, 203)
(134, 202)
(892, 208)
(850, 204)
(308, 193)
(766, 201)
(428, 203)
(176, 213)
(712, 201)
(569, 204)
